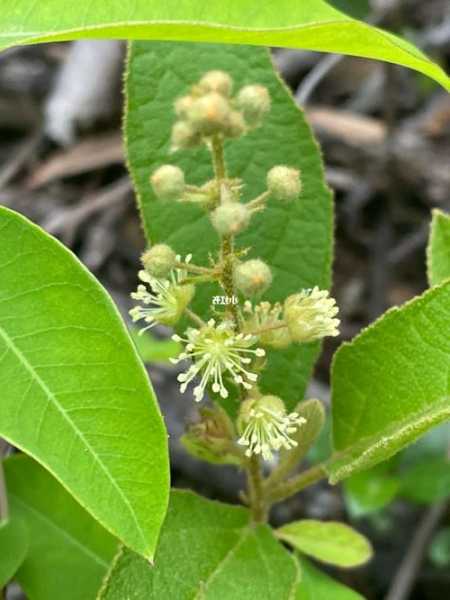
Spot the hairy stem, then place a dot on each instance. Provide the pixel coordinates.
(194, 317)
(4, 508)
(296, 484)
(258, 503)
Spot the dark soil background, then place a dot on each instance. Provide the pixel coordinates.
(385, 134)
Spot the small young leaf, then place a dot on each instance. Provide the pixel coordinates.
(438, 249)
(427, 481)
(280, 235)
(68, 550)
(13, 548)
(316, 585)
(207, 551)
(331, 542)
(75, 395)
(390, 384)
(312, 25)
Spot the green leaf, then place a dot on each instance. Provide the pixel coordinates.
(68, 550)
(207, 551)
(295, 239)
(438, 249)
(331, 542)
(13, 548)
(439, 552)
(152, 349)
(369, 491)
(316, 585)
(312, 25)
(75, 395)
(390, 384)
(427, 481)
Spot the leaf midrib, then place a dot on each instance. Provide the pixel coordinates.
(51, 397)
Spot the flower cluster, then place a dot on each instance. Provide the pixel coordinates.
(228, 351)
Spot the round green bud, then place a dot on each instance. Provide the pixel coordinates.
(184, 136)
(251, 406)
(252, 277)
(235, 126)
(284, 183)
(182, 106)
(159, 260)
(209, 114)
(254, 102)
(216, 81)
(168, 182)
(231, 218)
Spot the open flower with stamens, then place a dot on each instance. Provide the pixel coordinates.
(310, 315)
(217, 351)
(266, 321)
(164, 300)
(266, 427)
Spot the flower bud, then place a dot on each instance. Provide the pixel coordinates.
(284, 183)
(254, 102)
(182, 106)
(310, 315)
(231, 218)
(184, 136)
(235, 126)
(216, 81)
(265, 319)
(209, 114)
(159, 260)
(168, 182)
(252, 277)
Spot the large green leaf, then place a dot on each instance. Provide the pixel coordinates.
(207, 551)
(13, 549)
(75, 395)
(391, 383)
(69, 552)
(295, 239)
(329, 541)
(438, 249)
(316, 585)
(311, 24)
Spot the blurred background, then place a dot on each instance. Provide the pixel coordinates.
(385, 135)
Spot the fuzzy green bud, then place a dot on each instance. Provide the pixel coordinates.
(159, 260)
(254, 102)
(284, 183)
(231, 218)
(235, 126)
(216, 81)
(168, 182)
(182, 106)
(209, 114)
(252, 277)
(184, 136)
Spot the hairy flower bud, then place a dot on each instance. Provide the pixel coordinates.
(310, 315)
(231, 218)
(184, 136)
(235, 126)
(159, 260)
(284, 183)
(216, 81)
(209, 114)
(254, 102)
(252, 277)
(182, 106)
(168, 182)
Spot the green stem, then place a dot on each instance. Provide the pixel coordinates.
(296, 484)
(194, 268)
(197, 320)
(258, 504)
(4, 507)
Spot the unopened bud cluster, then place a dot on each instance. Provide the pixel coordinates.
(228, 350)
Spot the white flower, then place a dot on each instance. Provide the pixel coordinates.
(216, 350)
(310, 315)
(266, 319)
(266, 427)
(164, 300)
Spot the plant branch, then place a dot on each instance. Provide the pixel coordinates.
(194, 317)
(296, 484)
(258, 505)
